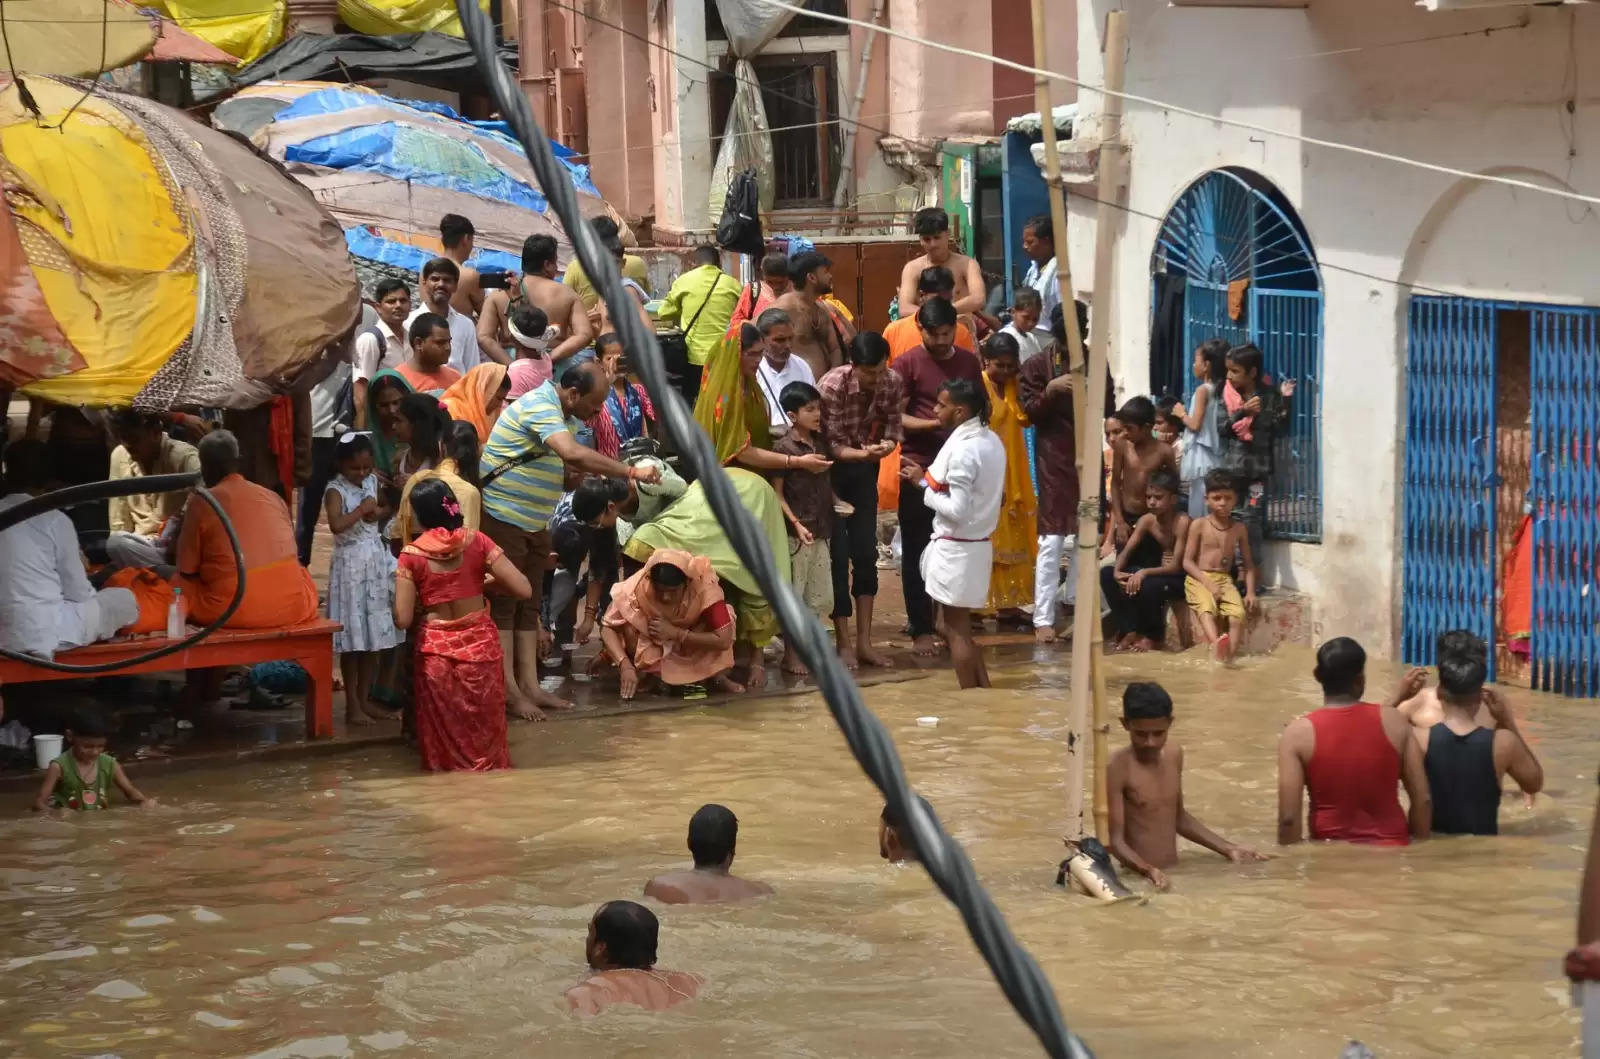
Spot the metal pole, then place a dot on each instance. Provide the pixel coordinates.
(847, 169)
(1088, 471)
(1108, 176)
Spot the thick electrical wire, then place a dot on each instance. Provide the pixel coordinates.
(1174, 108)
(1019, 976)
(155, 483)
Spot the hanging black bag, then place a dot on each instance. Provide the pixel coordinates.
(739, 230)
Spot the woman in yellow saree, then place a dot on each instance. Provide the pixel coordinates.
(1016, 544)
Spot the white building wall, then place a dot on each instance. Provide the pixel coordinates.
(1482, 103)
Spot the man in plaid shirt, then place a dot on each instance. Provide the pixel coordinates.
(862, 401)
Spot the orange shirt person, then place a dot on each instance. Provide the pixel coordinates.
(278, 591)
(902, 335)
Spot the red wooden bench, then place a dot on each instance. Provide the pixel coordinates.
(310, 644)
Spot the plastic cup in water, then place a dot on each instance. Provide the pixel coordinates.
(46, 748)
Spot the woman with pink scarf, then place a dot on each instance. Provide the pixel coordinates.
(669, 621)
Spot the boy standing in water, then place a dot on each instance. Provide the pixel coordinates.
(81, 778)
(1134, 459)
(1208, 558)
(1144, 792)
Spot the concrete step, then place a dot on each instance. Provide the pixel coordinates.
(1284, 617)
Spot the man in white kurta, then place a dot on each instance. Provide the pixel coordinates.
(46, 601)
(963, 488)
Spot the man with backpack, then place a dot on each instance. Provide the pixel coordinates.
(703, 298)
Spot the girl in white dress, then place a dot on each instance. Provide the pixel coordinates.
(361, 576)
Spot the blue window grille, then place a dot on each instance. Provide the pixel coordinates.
(1251, 276)
(1452, 552)
(1565, 495)
(1449, 509)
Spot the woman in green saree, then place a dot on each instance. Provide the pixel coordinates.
(388, 426)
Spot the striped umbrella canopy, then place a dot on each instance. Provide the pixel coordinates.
(149, 260)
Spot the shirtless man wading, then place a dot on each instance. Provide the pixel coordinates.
(815, 339)
(713, 833)
(932, 227)
(561, 305)
(621, 950)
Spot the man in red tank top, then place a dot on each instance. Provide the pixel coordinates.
(1349, 757)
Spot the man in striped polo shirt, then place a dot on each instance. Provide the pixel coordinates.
(524, 474)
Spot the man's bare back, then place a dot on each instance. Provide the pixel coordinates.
(468, 298)
(653, 990)
(969, 293)
(1152, 796)
(815, 339)
(1424, 710)
(703, 888)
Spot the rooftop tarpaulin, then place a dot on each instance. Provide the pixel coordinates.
(433, 59)
(249, 29)
(200, 275)
(388, 169)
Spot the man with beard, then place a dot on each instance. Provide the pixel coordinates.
(924, 370)
(621, 950)
(779, 366)
(815, 339)
(440, 277)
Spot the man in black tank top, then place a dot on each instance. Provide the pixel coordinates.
(1465, 760)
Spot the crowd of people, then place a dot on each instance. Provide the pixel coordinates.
(492, 423)
(489, 472)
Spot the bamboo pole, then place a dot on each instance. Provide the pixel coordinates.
(1078, 714)
(1108, 173)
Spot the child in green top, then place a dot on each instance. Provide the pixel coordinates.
(82, 777)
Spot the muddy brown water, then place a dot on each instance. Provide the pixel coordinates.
(351, 907)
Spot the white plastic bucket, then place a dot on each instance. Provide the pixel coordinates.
(46, 748)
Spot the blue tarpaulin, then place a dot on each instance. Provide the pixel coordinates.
(363, 243)
(418, 114)
(405, 152)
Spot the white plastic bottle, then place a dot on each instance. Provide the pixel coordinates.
(176, 616)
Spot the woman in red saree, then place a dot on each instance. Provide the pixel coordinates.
(458, 681)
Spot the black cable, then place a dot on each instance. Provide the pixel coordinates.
(1024, 984)
(155, 483)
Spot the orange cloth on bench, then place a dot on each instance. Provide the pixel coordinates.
(152, 592)
(278, 591)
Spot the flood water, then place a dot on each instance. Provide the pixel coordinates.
(349, 906)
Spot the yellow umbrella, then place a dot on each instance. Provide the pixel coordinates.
(73, 38)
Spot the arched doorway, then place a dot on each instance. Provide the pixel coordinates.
(1232, 260)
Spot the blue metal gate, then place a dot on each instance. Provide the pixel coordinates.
(1232, 231)
(1566, 500)
(1287, 326)
(1205, 315)
(1449, 556)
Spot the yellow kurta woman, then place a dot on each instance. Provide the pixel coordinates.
(1016, 543)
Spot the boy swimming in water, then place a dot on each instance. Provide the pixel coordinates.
(1144, 792)
(82, 777)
